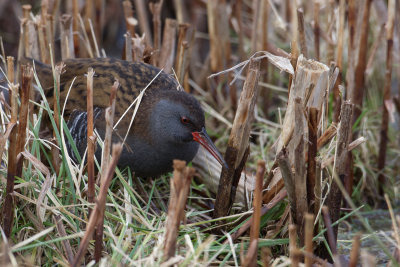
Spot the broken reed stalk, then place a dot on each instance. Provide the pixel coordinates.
(50, 34)
(167, 53)
(91, 139)
(251, 256)
(99, 208)
(66, 37)
(302, 34)
(300, 171)
(180, 185)
(109, 117)
(181, 60)
(238, 142)
(324, 139)
(334, 198)
(294, 251)
(65, 243)
(26, 84)
(308, 238)
(355, 250)
(26, 11)
(130, 21)
(386, 96)
(8, 206)
(329, 230)
(312, 154)
(316, 28)
(155, 9)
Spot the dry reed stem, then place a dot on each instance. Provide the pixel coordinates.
(299, 167)
(181, 60)
(130, 21)
(99, 207)
(155, 9)
(316, 28)
(90, 137)
(329, 230)
(75, 23)
(327, 136)
(273, 190)
(355, 251)
(279, 197)
(26, 84)
(65, 243)
(359, 77)
(17, 144)
(180, 184)
(308, 242)
(167, 53)
(302, 34)
(310, 82)
(66, 37)
(128, 47)
(26, 11)
(287, 175)
(334, 198)
(8, 206)
(109, 117)
(238, 142)
(294, 34)
(50, 35)
(312, 154)
(143, 20)
(339, 59)
(294, 252)
(138, 46)
(5, 137)
(386, 96)
(250, 260)
(55, 152)
(251, 256)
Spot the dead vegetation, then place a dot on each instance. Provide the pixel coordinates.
(293, 96)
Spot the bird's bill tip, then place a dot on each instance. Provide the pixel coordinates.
(203, 139)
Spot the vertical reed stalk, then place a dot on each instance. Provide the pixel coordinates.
(8, 207)
(386, 96)
(91, 140)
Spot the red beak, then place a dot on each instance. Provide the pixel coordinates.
(203, 139)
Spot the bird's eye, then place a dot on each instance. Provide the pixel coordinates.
(185, 120)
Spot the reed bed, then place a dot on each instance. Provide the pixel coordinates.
(300, 96)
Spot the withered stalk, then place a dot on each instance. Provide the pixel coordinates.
(386, 96)
(238, 142)
(91, 140)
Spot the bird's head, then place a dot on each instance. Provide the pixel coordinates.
(178, 119)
